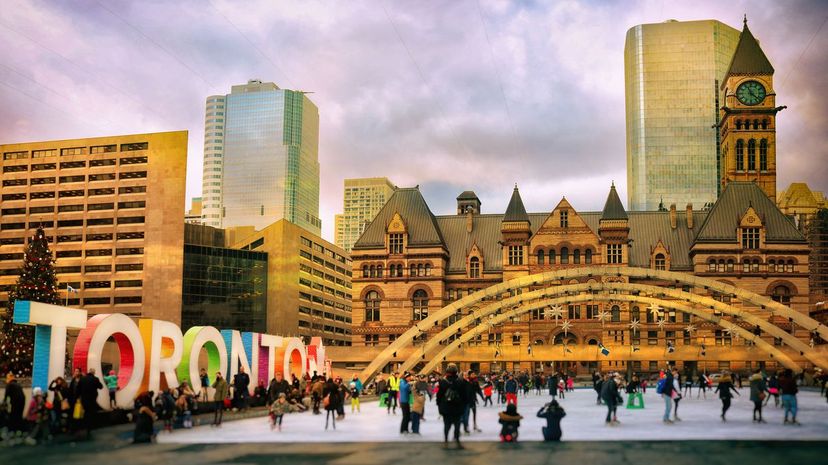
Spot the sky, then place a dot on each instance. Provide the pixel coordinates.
(447, 95)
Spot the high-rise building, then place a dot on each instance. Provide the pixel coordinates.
(112, 208)
(261, 158)
(363, 198)
(673, 73)
(193, 215)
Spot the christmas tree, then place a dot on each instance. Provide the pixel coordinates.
(38, 283)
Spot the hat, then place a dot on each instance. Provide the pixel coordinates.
(353, 384)
(451, 368)
(282, 395)
(37, 391)
(111, 372)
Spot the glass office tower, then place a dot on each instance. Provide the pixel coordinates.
(672, 75)
(264, 145)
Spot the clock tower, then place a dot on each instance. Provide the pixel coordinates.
(747, 120)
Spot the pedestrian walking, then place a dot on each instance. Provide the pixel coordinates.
(724, 389)
(553, 413)
(451, 403)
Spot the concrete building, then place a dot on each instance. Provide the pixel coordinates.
(363, 198)
(261, 158)
(112, 208)
(193, 215)
(673, 71)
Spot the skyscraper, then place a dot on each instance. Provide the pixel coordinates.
(673, 73)
(261, 159)
(363, 198)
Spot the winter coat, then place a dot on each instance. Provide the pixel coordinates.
(88, 387)
(16, 398)
(609, 391)
(143, 425)
(510, 420)
(553, 416)
(418, 405)
(61, 393)
(393, 383)
(668, 385)
(279, 408)
(241, 384)
(757, 385)
(725, 387)
(275, 388)
(111, 382)
(222, 390)
(405, 392)
(511, 386)
(787, 385)
(334, 397)
(455, 408)
(382, 387)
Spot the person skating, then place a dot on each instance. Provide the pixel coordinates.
(758, 392)
(221, 391)
(405, 402)
(773, 390)
(510, 421)
(451, 401)
(317, 389)
(553, 413)
(724, 389)
(609, 394)
(676, 394)
(597, 385)
(704, 382)
(511, 389)
(688, 385)
(393, 392)
(331, 401)
(664, 388)
(354, 396)
(787, 386)
(473, 391)
(488, 389)
(277, 411)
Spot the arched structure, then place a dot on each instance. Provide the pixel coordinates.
(747, 335)
(574, 289)
(551, 277)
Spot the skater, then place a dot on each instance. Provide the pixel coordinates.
(510, 419)
(664, 388)
(561, 389)
(472, 392)
(487, 392)
(511, 388)
(724, 388)
(773, 390)
(405, 402)
(688, 385)
(221, 391)
(609, 394)
(354, 397)
(787, 385)
(553, 414)
(330, 399)
(417, 410)
(676, 393)
(704, 382)
(277, 411)
(597, 381)
(758, 393)
(111, 381)
(451, 401)
(393, 390)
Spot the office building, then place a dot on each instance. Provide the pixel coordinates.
(112, 208)
(193, 215)
(673, 73)
(363, 198)
(261, 158)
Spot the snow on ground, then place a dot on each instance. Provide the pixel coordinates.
(584, 421)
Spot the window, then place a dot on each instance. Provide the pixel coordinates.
(129, 235)
(72, 164)
(98, 221)
(564, 218)
(102, 149)
(576, 256)
(128, 300)
(97, 268)
(652, 338)
(130, 219)
(729, 266)
(44, 153)
(104, 191)
(540, 257)
(574, 312)
(750, 238)
(372, 306)
(515, 339)
(36, 181)
(615, 313)
(419, 303)
(474, 267)
(371, 340)
(551, 256)
(789, 268)
(139, 204)
(129, 283)
(781, 294)
(751, 155)
(564, 256)
(740, 155)
(133, 160)
(723, 338)
(14, 182)
(132, 189)
(711, 266)
(134, 146)
(614, 253)
(395, 244)
(15, 155)
(763, 155)
(588, 256)
(428, 269)
(133, 175)
(516, 255)
(660, 262)
(129, 251)
(97, 284)
(104, 162)
(15, 168)
(100, 206)
(72, 151)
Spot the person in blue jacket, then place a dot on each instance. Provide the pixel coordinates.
(405, 401)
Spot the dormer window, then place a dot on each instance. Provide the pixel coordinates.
(474, 267)
(395, 244)
(660, 262)
(750, 238)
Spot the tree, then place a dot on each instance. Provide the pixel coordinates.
(38, 283)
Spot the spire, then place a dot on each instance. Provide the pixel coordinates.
(613, 208)
(748, 59)
(516, 211)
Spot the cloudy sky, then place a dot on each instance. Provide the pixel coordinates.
(447, 95)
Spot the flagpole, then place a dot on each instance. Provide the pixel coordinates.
(67, 295)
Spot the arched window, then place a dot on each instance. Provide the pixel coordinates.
(428, 269)
(756, 124)
(551, 256)
(711, 266)
(420, 270)
(412, 271)
(419, 302)
(474, 267)
(764, 124)
(738, 124)
(729, 266)
(746, 266)
(568, 339)
(635, 314)
(365, 271)
(660, 262)
(740, 155)
(781, 294)
(615, 314)
(540, 257)
(564, 256)
(720, 266)
(754, 266)
(751, 155)
(380, 271)
(592, 342)
(588, 256)
(771, 266)
(372, 306)
(763, 155)
(789, 268)
(373, 271)
(400, 271)
(576, 256)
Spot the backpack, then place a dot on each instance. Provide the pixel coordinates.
(452, 395)
(660, 386)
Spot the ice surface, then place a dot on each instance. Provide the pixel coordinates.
(584, 421)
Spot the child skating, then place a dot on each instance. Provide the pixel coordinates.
(277, 411)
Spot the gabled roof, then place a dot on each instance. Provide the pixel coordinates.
(419, 221)
(723, 220)
(613, 208)
(748, 59)
(515, 211)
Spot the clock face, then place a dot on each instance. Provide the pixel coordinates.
(751, 93)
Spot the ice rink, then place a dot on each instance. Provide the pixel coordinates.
(584, 421)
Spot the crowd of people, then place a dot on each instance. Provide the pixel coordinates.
(73, 404)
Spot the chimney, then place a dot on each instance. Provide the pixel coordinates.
(469, 220)
(689, 214)
(673, 219)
